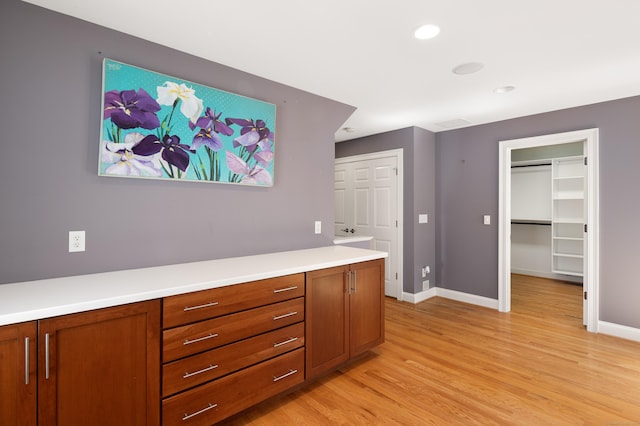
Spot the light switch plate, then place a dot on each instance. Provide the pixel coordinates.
(486, 219)
(318, 227)
(423, 218)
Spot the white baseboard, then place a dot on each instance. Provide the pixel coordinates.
(450, 294)
(420, 296)
(543, 274)
(618, 330)
(467, 298)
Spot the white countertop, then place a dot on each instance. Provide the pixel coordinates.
(32, 300)
(338, 239)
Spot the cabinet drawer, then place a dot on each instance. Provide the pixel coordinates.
(214, 401)
(200, 305)
(190, 339)
(201, 368)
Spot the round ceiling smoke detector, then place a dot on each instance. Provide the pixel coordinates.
(468, 68)
(426, 32)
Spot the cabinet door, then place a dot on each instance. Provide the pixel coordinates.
(101, 367)
(366, 312)
(18, 374)
(327, 320)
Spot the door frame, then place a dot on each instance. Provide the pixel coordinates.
(592, 261)
(398, 154)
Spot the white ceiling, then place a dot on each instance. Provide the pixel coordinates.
(557, 53)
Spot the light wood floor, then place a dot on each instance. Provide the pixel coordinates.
(450, 363)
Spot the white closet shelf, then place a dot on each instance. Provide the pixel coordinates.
(569, 196)
(571, 255)
(568, 238)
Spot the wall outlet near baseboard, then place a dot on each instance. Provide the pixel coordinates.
(425, 285)
(425, 271)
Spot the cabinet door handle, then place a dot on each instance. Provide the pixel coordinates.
(206, 305)
(46, 356)
(291, 339)
(26, 360)
(280, 290)
(207, 408)
(285, 375)
(199, 339)
(204, 370)
(348, 282)
(355, 281)
(290, 314)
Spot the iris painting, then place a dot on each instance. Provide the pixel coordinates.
(156, 126)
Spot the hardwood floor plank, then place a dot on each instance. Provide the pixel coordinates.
(450, 363)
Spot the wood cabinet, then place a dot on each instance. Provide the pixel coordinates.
(345, 314)
(18, 343)
(228, 348)
(189, 359)
(99, 367)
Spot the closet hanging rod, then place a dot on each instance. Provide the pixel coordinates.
(531, 222)
(530, 165)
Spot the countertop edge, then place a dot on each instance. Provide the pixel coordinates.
(33, 300)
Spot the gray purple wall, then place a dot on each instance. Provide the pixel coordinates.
(466, 179)
(467, 188)
(50, 80)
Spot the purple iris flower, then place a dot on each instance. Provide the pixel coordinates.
(129, 109)
(251, 132)
(208, 138)
(210, 125)
(173, 152)
(212, 121)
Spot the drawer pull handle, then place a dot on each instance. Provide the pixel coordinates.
(207, 408)
(26, 360)
(206, 305)
(285, 375)
(291, 339)
(290, 314)
(204, 370)
(280, 290)
(200, 339)
(47, 354)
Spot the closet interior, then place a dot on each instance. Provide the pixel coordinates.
(548, 211)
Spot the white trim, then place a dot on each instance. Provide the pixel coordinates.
(618, 330)
(399, 154)
(467, 298)
(591, 273)
(453, 295)
(420, 296)
(550, 276)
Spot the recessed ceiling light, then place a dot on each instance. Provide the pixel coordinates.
(348, 129)
(504, 89)
(468, 68)
(426, 32)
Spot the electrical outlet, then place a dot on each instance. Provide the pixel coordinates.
(425, 285)
(425, 270)
(76, 241)
(318, 227)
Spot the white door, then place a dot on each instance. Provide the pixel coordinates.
(366, 200)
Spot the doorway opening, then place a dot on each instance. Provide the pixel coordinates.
(588, 235)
